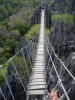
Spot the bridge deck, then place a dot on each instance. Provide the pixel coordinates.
(37, 84)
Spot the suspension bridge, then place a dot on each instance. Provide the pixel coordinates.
(40, 59)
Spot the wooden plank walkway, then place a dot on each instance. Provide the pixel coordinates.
(37, 84)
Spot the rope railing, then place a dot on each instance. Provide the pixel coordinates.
(2, 94)
(63, 88)
(60, 60)
(28, 49)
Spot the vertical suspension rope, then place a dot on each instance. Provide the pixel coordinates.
(7, 82)
(3, 94)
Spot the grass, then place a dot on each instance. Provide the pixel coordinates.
(66, 18)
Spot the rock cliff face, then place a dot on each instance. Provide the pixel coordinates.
(63, 37)
(36, 17)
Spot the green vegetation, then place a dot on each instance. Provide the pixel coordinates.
(15, 17)
(8, 48)
(8, 8)
(29, 35)
(20, 26)
(50, 2)
(48, 31)
(62, 57)
(68, 19)
(1, 75)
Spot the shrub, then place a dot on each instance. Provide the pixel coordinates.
(67, 18)
(3, 60)
(50, 3)
(10, 45)
(18, 25)
(34, 29)
(47, 32)
(1, 16)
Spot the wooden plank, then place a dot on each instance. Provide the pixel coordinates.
(41, 77)
(36, 87)
(39, 61)
(39, 64)
(36, 92)
(40, 46)
(37, 83)
(38, 80)
(39, 73)
(39, 70)
(36, 67)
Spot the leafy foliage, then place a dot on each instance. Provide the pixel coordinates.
(67, 18)
(20, 26)
(34, 29)
(1, 75)
(47, 31)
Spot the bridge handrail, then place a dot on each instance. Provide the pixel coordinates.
(60, 60)
(15, 69)
(59, 79)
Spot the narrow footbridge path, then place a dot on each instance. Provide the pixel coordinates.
(37, 84)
